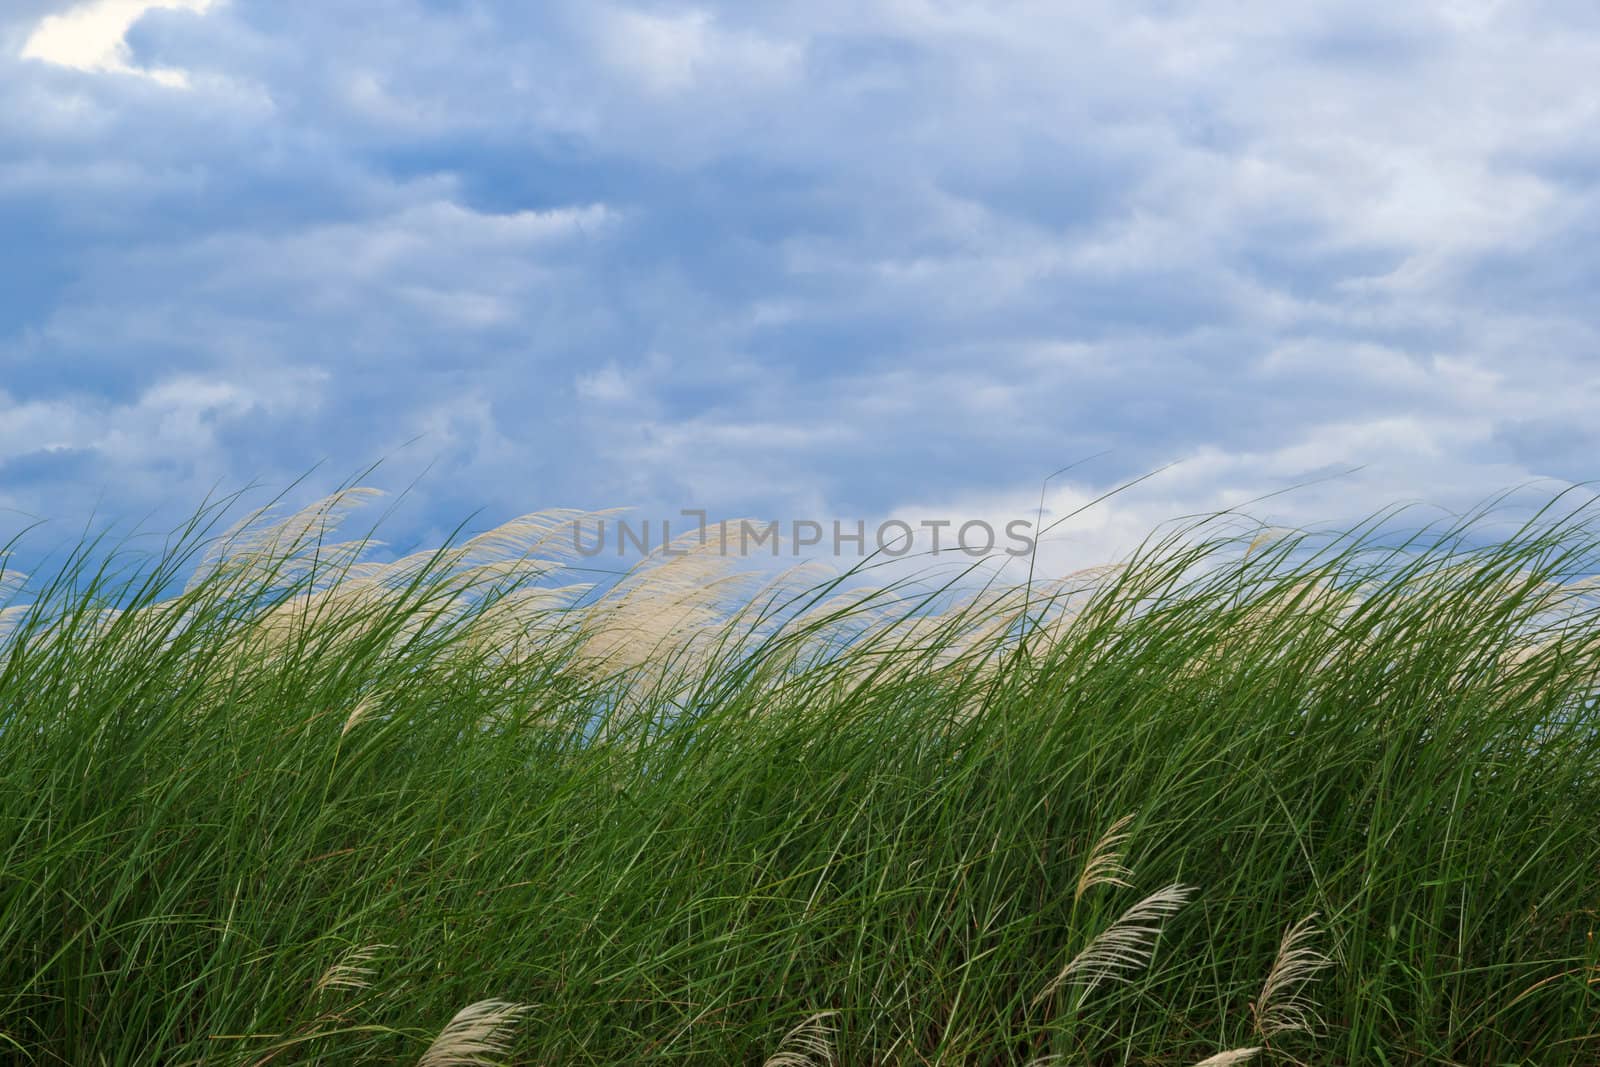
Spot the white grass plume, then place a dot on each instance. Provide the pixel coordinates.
(352, 969)
(1123, 947)
(1282, 1007)
(1267, 535)
(12, 581)
(259, 543)
(11, 618)
(1105, 865)
(1230, 1057)
(363, 707)
(476, 1037)
(809, 1044)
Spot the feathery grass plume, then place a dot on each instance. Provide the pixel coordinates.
(1281, 1007)
(12, 581)
(809, 1044)
(549, 535)
(1231, 1057)
(1267, 535)
(12, 617)
(352, 969)
(1105, 865)
(363, 707)
(666, 613)
(525, 620)
(1123, 947)
(479, 1034)
(259, 548)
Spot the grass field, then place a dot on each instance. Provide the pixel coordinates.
(1327, 799)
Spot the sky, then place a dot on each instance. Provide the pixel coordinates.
(840, 258)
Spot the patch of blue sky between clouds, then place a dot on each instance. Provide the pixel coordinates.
(799, 260)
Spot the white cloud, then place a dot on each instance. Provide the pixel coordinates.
(93, 37)
(608, 385)
(164, 448)
(668, 54)
(175, 419)
(1336, 473)
(663, 51)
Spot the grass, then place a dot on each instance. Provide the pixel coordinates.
(1324, 799)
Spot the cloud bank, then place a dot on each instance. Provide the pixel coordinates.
(851, 259)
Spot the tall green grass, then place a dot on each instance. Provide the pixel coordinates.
(1329, 799)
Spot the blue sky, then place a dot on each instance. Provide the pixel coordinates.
(858, 259)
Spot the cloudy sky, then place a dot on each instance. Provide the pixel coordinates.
(836, 258)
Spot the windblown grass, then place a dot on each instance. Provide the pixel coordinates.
(313, 808)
